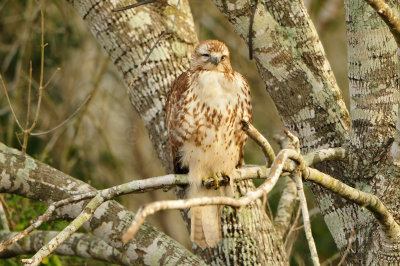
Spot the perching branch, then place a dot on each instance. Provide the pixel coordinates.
(388, 16)
(287, 160)
(274, 174)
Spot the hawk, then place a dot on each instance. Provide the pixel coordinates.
(204, 110)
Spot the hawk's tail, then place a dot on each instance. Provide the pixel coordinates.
(206, 225)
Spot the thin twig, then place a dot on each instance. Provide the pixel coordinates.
(28, 130)
(44, 218)
(42, 46)
(28, 111)
(152, 48)
(253, 13)
(3, 217)
(66, 120)
(291, 230)
(350, 241)
(8, 212)
(286, 206)
(134, 5)
(388, 16)
(9, 103)
(306, 218)
(255, 135)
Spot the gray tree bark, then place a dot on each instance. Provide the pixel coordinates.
(24, 176)
(291, 60)
(79, 245)
(293, 65)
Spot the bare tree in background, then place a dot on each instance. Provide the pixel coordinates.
(150, 46)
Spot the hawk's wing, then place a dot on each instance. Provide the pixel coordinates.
(173, 109)
(245, 113)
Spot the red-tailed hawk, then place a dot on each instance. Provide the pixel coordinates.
(204, 109)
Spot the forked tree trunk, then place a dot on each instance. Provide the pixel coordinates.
(249, 237)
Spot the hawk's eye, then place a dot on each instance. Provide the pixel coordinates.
(223, 57)
(205, 55)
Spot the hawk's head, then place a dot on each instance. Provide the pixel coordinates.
(211, 55)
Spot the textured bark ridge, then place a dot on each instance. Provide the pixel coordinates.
(22, 175)
(80, 245)
(374, 91)
(128, 36)
(292, 63)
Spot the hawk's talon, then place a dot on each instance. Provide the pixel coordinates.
(214, 183)
(226, 179)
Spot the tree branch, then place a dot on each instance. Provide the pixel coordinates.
(363, 199)
(80, 245)
(274, 174)
(144, 2)
(286, 206)
(388, 16)
(255, 135)
(22, 175)
(306, 217)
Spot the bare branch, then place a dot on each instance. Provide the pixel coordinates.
(291, 238)
(41, 88)
(273, 177)
(363, 199)
(66, 120)
(144, 2)
(56, 241)
(3, 217)
(9, 103)
(306, 218)
(44, 218)
(388, 16)
(81, 245)
(286, 205)
(329, 154)
(255, 135)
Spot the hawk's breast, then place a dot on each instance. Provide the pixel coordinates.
(214, 108)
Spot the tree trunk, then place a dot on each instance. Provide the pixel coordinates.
(292, 63)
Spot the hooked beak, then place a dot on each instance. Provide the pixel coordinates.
(214, 60)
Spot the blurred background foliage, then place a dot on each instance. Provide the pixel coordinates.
(106, 143)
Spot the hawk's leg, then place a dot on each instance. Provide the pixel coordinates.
(225, 179)
(216, 180)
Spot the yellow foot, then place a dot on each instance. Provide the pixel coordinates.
(211, 182)
(224, 179)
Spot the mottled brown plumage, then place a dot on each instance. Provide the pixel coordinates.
(204, 108)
